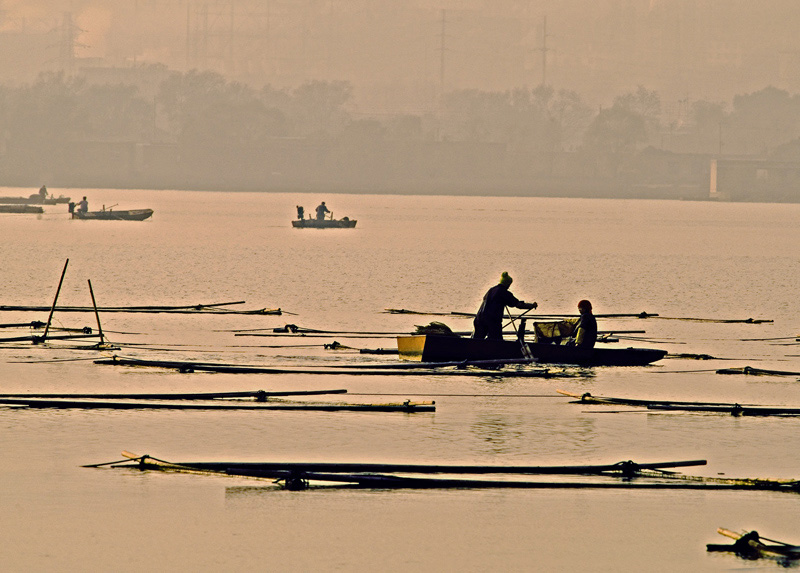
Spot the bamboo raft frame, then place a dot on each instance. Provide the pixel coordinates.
(749, 545)
(204, 309)
(750, 371)
(734, 409)
(407, 407)
(399, 369)
(296, 476)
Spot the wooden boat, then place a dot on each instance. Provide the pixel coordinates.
(343, 223)
(34, 199)
(111, 215)
(438, 348)
(20, 209)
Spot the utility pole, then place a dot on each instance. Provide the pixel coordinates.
(544, 50)
(442, 39)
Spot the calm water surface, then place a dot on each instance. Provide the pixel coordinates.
(434, 254)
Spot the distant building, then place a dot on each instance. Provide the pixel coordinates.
(754, 180)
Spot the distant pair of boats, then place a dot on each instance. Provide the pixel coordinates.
(35, 199)
(31, 205)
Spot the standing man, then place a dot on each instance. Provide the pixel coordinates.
(321, 210)
(585, 334)
(489, 320)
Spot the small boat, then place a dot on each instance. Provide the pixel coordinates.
(343, 223)
(20, 209)
(34, 199)
(111, 215)
(441, 348)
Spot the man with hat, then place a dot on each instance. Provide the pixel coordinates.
(489, 319)
(585, 334)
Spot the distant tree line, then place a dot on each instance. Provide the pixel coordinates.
(200, 127)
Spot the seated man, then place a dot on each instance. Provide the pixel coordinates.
(585, 334)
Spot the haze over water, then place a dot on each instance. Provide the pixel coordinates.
(435, 254)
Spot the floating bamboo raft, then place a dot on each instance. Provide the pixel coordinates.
(750, 371)
(733, 409)
(750, 545)
(190, 309)
(257, 395)
(398, 369)
(408, 406)
(296, 476)
(458, 314)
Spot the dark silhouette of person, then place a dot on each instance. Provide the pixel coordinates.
(488, 321)
(585, 334)
(300, 212)
(321, 210)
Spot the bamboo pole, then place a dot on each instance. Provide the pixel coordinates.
(53, 308)
(96, 314)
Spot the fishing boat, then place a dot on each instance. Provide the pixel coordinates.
(21, 209)
(442, 348)
(35, 199)
(111, 215)
(343, 223)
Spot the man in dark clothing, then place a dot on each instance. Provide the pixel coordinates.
(585, 334)
(321, 210)
(489, 320)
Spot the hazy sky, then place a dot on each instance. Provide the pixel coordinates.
(404, 53)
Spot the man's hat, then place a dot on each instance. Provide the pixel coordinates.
(505, 279)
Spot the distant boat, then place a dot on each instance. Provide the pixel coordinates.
(111, 215)
(343, 223)
(20, 209)
(34, 199)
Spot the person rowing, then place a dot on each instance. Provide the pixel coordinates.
(488, 321)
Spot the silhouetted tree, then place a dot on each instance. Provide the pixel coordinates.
(762, 120)
(319, 107)
(707, 123)
(616, 130)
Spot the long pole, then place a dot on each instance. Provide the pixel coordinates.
(53, 308)
(96, 314)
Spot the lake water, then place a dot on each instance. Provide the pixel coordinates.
(433, 254)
